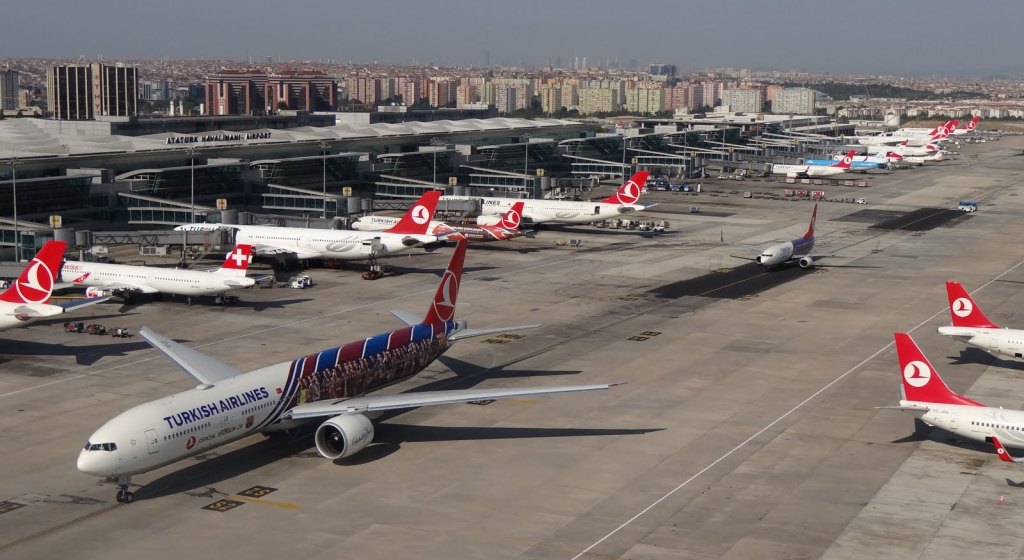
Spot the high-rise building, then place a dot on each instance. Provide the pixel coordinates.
(795, 101)
(597, 100)
(8, 90)
(668, 70)
(505, 98)
(88, 91)
(743, 100)
(441, 91)
(643, 100)
(255, 93)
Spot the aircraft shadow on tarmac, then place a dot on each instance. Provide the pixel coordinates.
(402, 271)
(78, 318)
(84, 355)
(258, 306)
(971, 355)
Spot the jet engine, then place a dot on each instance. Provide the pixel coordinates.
(757, 259)
(343, 436)
(806, 262)
(97, 292)
(488, 220)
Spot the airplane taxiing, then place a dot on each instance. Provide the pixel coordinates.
(26, 298)
(335, 386)
(795, 251)
(805, 170)
(565, 211)
(307, 243)
(123, 279)
(504, 227)
(970, 325)
(926, 396)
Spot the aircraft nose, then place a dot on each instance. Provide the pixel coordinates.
(98, 463)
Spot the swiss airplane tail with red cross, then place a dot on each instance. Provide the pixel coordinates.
(921, 383)
(417, 220)
(35, 283)
(629, 192)
(963, 311)
(237, 261)
(442, 309)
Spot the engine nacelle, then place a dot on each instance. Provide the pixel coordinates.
(343, 436)
(806, 262)
(757, 259)
(488, 220)
(97, 292)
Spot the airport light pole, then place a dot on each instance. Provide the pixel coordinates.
(526, 162)
(192, 153)
(324, 146)
(14, 187)
(623, 154)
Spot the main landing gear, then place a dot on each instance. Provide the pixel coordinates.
(124, 496)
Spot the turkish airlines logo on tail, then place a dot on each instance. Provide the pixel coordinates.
(972, 124)
(419, 214)
(444, 305)
(917, 373)
(628, 193)
(962, 307)
(511, 220)
(847, 161)
(36, 283)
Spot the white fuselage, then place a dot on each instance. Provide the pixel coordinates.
(382, 223)
(1008, 343)
(150, 279)
(778, 255)
(973, 422)
(553, 211)
(892, 140)
(806, 170)
(330, 243)
(13, 314)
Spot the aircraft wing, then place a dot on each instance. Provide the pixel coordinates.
(470, 333)
(79, 303)
(118, 285)
(406, 317)
(376, 403)
(265, 250)
(1003, 454)
(204, 369)
(36, 310)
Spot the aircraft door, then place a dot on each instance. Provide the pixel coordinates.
(993, 341)
(952, 422)
(153, 441)
(597, 210)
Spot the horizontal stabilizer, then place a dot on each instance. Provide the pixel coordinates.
(905, 408)
(470, 333)
(376, 403)
(1003, 454)
(36, 310)
(204, 369)
(78, 303)
(406, 317)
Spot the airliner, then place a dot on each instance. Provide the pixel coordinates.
(336, 387)
(409, 232)
(903, 149)
(507, 227)
(859, 163)
(565, 211)
(804, 170)
(969, 127)
(122, 279)
(926, 396)
(970, 325)
(795, 251)
(26, 299)
(913, 138)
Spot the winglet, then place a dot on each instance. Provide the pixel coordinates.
(442, 309)
(629, 192)
(962, 309)
(1003, 453)
(417, 219)
(35, 283)
(921, 383)
(207, 370)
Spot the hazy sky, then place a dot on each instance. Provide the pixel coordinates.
(944, 37)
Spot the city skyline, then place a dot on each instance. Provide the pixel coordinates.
(942, 39)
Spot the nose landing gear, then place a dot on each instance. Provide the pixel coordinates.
(124, 496)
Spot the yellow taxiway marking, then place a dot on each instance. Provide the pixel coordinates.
(282, 505)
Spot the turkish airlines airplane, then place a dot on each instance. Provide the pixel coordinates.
(795, 251)
(102, 279)
(927, 397)
(903, 149)
(969, 127)
(336, 387)
(506, 227)
(565, 211)
(409, 232)
(26, 299)
(912, 137)
(804, 170)
(970, 325)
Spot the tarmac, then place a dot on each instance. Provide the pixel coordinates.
(747, 429)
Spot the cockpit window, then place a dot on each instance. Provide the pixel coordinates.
(89, 446)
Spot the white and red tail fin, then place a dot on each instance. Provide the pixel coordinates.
(442, 309)
(894, 155)
(921, 382)
(514, 217)
(810, 227)
(236, 263)
(417, 219)
(629, 192)
(962, 309)
(35, 284)
(945, 129)
(1003, 454)
(847, 160)
(972, 124)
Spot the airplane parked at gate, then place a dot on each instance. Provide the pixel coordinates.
(305, 243)
(506, 228)
(970, 325)
(913, 138)
(565, 211)
(103, 279)
(926, 396)
(335, 386)
(26, 298)
(805, 170)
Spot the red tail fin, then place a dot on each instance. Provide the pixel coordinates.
(847, 160)
(972, 124)
(962, 309)
(920, 380)
(237, 261)
(514, 217)
(417, 219)
(443, 307)
(35, 284)
(629, 192)
(810, 228)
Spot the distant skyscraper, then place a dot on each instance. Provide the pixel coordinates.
(8, 90)
(88, 91)
(256, 93)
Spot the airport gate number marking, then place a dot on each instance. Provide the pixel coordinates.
(221, 506)
(9, 506)
(257, 491)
